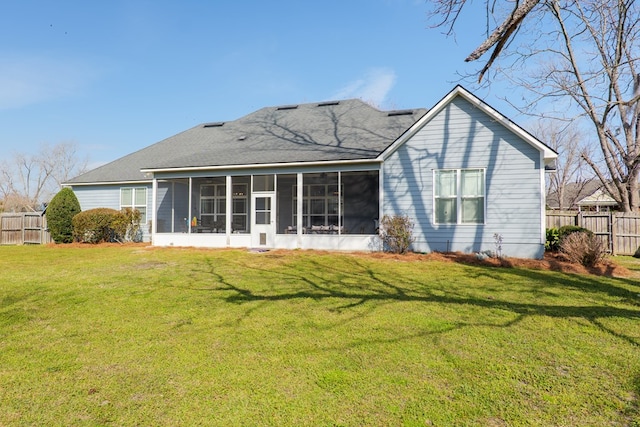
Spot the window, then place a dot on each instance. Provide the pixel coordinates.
(213, 204)
(459, 196)
(263, 210)
(320, 204)
(135, 198)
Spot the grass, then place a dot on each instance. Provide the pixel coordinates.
(134, 336)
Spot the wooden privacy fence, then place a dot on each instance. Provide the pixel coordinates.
(620, 231)
(24, 228)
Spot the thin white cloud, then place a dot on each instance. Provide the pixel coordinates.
(27, 80)
(373, 87)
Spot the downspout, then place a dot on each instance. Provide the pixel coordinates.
(380, 201)
(543, 204)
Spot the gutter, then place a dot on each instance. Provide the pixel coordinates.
(78, 184)
(261, 166)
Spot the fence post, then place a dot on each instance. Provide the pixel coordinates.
(613, 224)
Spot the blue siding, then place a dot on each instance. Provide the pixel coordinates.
(108, 196)
(462, 136)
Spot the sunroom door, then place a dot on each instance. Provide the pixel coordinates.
(263, 220)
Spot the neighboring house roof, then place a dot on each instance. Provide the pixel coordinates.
(600, 197)
(316, 132)
(587, 193)
(573, 192)
(348, 130)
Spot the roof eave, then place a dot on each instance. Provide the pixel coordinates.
(548, 153)
(130, 182)
(258, 166)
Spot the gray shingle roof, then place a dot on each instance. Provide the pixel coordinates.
(316, 132)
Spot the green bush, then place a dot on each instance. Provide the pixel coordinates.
(553, 240)
(106, 225)
(60, 212)
(94, 225)
(126, 225)
(565, 230)
(396, 232)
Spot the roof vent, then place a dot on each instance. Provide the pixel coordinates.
(400, 113)
(213, 125)
(287, 107)
(328, 103)
(242, 137)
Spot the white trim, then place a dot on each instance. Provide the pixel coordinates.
(133, 204)
(263, 166)
(548, 153)
(459, 196)
(543, 204)
(380, 196)
(190, 205)
(299, 205)
(229, 207)
(69, 184)
(154, 203)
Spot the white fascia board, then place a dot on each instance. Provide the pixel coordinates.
(261, 166)
(548, 153)
(82, 184)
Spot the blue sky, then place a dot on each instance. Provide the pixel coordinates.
(114, 77)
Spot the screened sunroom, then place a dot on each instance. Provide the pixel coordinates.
(275, 210)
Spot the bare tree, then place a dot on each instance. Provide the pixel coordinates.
(28, 180)
(571, 169)
(580, 55)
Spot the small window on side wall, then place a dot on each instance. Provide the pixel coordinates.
(135, 198)
(459, 196)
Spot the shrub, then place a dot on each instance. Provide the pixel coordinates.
(60, 212)
(583, 248)
(106, 225)
(126, 225)
(553, 240)
(497, 241)
(94, 225)
(396, 232)
(565, 230)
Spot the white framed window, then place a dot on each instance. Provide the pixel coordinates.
(459, 196)
(213, 205)
(320, 204)
(135, 198)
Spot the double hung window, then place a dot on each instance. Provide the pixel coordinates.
(135, 198)
(459, 196)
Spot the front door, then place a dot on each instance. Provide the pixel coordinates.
(263, 221)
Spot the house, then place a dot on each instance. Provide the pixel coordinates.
(587, 195)
(322, 175)
(599, 200)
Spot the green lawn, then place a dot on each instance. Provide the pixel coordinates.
(132, 336)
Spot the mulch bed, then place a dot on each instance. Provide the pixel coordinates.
(551, 261)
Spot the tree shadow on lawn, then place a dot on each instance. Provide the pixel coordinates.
(360, 285)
